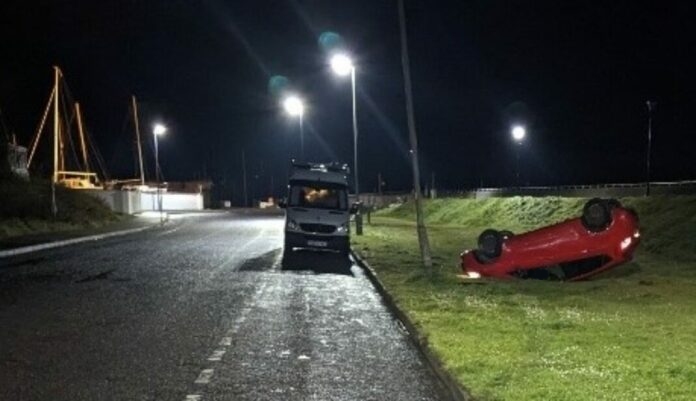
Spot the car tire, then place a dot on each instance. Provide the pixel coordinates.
(287, 249)
(596, 214)
(490, 244)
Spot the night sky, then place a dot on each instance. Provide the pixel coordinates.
(576, 73)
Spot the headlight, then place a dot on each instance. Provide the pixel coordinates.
(291, 224)
(343, 228)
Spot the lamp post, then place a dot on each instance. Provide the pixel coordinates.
(651, 108)
(294, 106)
(157, 130)
(518, 133)
(342, 65)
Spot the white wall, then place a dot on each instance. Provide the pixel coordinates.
(131, 202)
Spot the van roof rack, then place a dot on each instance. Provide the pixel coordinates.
(333, 166)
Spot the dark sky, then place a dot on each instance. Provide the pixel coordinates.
(577, 73)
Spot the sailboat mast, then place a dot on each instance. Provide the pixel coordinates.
(137, 137)
(83, 144)
(56, 122)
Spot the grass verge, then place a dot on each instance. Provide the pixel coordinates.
(25, 208)
(629, 334)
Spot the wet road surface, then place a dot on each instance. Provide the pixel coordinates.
(204, 308)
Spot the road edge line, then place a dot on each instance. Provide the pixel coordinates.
(455, 391)
(59, 244)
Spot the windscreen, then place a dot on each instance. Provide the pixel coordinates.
(318, 195)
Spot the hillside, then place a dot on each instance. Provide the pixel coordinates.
(25, 208)
(627, 334)
(668, 223)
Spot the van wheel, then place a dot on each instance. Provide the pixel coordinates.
(287, 249)
(344, 249)
(596, 215)
(490, 244)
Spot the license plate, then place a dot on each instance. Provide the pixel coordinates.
(322, 244)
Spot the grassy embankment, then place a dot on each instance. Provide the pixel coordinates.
(25, 208)
(629, 334)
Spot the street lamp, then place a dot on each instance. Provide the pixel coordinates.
(518, 133)
(651, 108)
(157, 130)
(294, 106)
(342, 65)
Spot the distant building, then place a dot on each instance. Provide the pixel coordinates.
(202, 187)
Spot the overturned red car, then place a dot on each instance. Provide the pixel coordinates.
(606, 235)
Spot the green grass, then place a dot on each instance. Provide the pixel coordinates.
(629, 334)
(25, 208)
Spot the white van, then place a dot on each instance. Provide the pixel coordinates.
(317, 213)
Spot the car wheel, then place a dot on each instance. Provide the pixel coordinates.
(596, 215)
(287, 249)
(344, 250)
(490, 244)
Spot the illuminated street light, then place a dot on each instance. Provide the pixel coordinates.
(342, 65)
(518, 133)
(157, 130)
(294, 106)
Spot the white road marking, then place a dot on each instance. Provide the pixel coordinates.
(303, 357)
(205, 376)
(217, 355)
(193, 397)
(226, 341)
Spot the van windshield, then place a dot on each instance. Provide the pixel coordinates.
(318, 195)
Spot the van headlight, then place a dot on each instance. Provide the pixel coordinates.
(343, 228)
(291, 225)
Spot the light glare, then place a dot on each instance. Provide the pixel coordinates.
(293, 105)
(341, 64)
(159, 129)
(518, 133)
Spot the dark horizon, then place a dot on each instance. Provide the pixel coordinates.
(576, 74)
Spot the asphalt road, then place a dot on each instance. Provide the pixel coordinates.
(204, 308)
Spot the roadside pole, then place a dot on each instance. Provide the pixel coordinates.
(244, 180)
(651, 107)
(413, 138)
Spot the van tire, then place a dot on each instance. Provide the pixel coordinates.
(287, 249)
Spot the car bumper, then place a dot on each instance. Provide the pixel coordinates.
(302, 240)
